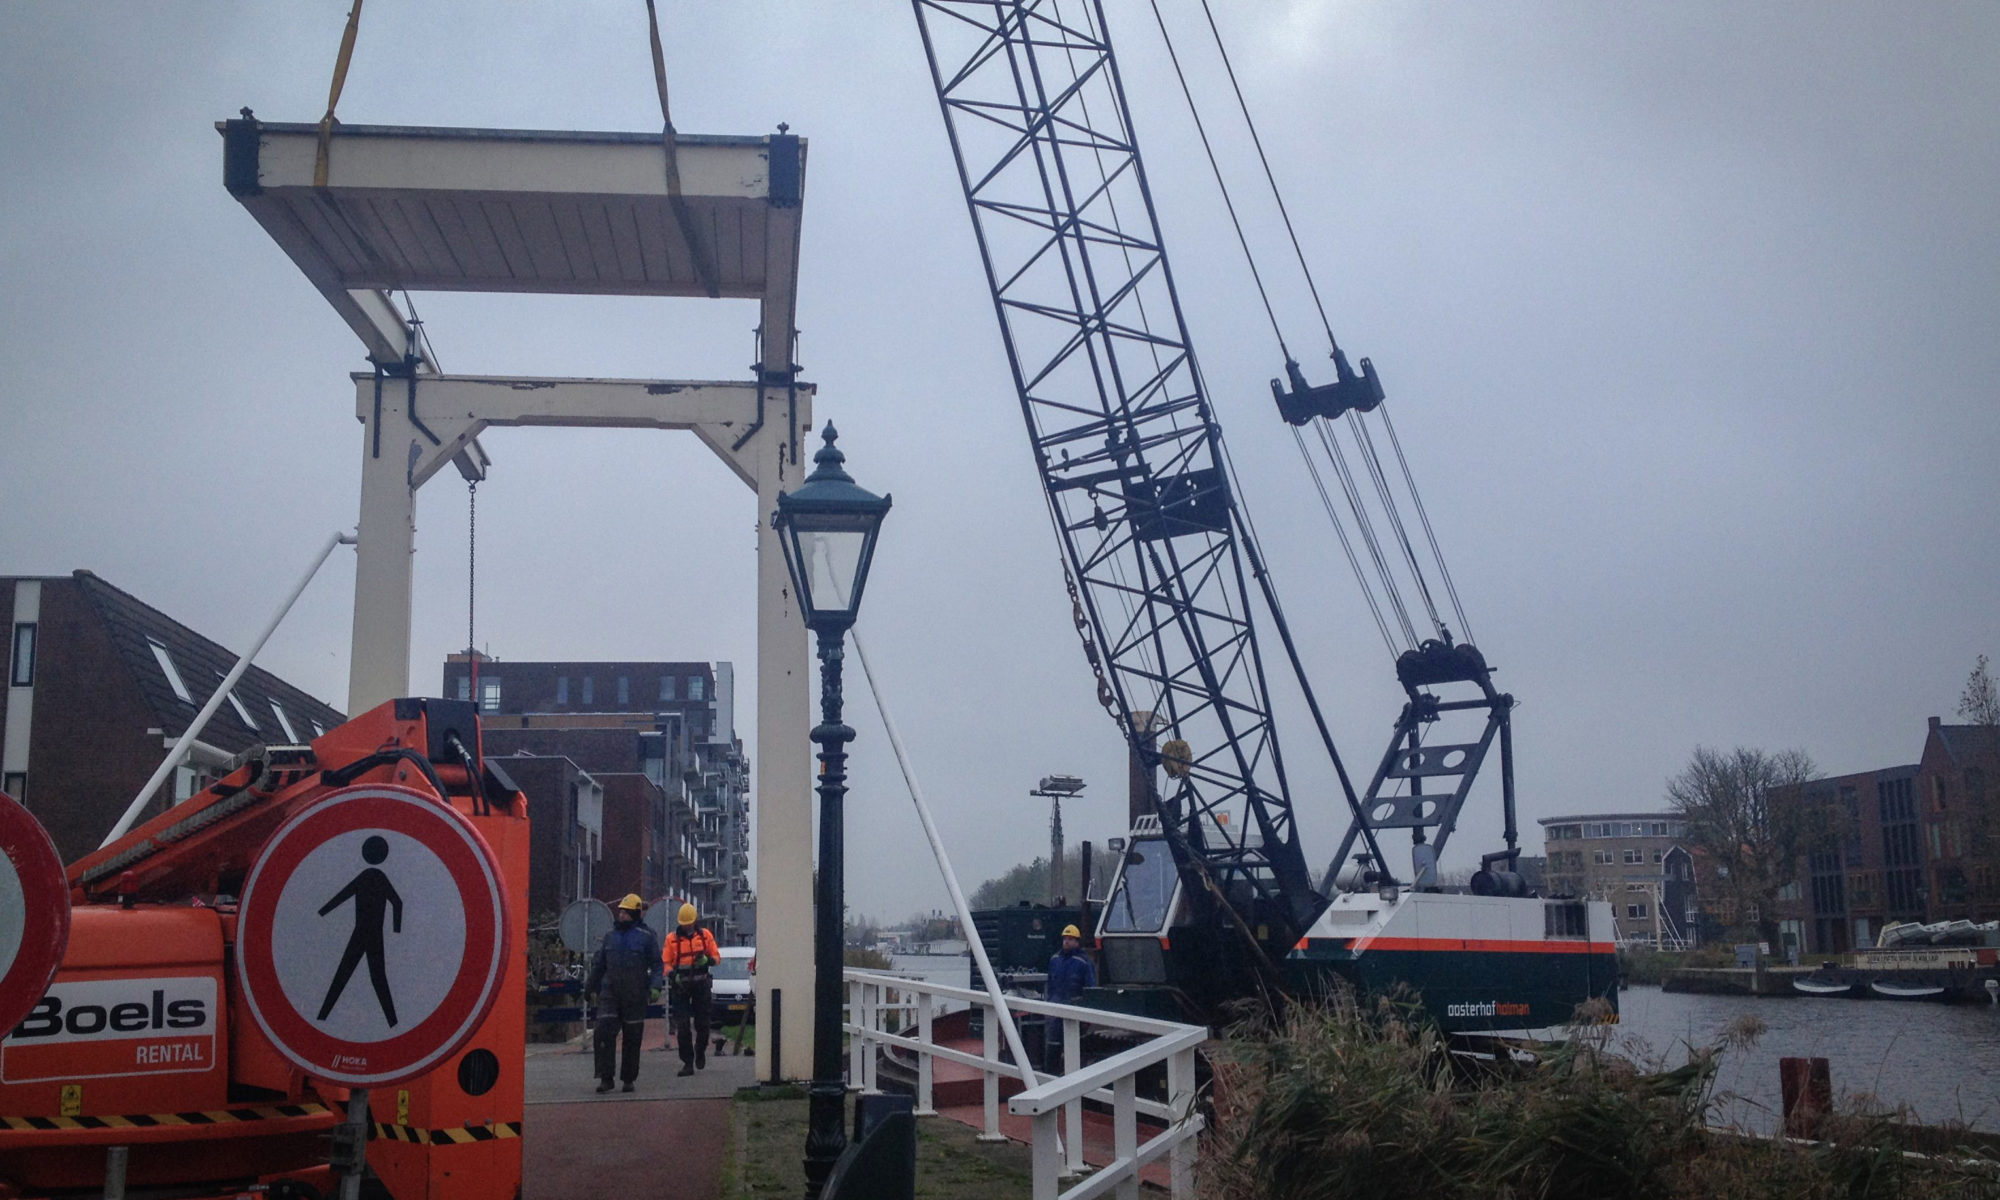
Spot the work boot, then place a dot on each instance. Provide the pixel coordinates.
(686, 1070)
(701, 1057)
(604, 1085)
(631, 1086)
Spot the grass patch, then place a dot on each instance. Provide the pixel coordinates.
(744, 1036)
(863, 958)
(1367, 1104)
(769, 1129)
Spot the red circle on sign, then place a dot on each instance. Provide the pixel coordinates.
(434, 1036)
(27, 852)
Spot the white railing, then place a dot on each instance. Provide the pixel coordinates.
(1057, 1152)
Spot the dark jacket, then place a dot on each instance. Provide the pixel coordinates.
(1069, 973)
(627, 967)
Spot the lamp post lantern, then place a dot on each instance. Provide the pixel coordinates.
(827, 528)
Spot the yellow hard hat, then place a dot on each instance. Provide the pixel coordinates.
(632, 903)
(1072, 931)
(688, 914)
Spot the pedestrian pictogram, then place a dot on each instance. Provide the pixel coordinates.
(371, 936)
(373, 895)
(34, 911)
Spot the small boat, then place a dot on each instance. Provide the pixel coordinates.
(1895, 990)
(1950, 933)
(1937, 933)
(1823, 987)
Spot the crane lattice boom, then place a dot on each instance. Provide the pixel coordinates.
(1129, 451)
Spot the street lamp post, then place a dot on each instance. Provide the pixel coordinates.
(827, 528)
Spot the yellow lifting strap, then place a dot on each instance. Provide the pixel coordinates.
(666, 112)
(326, 122)
(704, 268)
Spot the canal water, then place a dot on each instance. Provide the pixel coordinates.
(1941, 1061)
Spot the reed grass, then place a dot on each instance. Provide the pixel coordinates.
(1343, 1101)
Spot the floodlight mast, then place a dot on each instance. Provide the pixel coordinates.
(1053, 788)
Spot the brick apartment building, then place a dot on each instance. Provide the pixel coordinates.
(1955, 781)
(1636, 862)
(566, 823)
(658, 741)
(1919, 842)
(1868, 869)
(101, 685)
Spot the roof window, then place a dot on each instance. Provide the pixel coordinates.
(168, 669)
(284, 722)
(237, 704)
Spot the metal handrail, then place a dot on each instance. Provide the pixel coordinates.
(1088, 1081)
(1054, 1103)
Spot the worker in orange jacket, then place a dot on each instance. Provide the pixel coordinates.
(687, 954)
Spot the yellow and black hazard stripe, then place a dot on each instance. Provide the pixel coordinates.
(446, 1137)
(216, 1116)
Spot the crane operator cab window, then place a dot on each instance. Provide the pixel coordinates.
(1142, 898)
(1142, 904)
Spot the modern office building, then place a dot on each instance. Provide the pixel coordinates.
(659, 739)
(1633, 860)
(101, 685)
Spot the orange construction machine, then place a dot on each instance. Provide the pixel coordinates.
(144, 1054)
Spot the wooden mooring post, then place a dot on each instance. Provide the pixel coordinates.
(1808, 1091)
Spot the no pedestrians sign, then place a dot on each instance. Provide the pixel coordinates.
(372, 935)
(34, 912)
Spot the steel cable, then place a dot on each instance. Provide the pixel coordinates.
(1312, 286)
(1352, 491)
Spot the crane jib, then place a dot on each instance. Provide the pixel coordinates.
(1130, 453)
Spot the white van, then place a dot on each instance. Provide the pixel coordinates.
(730, 995)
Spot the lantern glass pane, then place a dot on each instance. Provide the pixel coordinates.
(832, 558)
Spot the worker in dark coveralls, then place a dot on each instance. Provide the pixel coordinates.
(623, 977)
(689, 953)
(1070, 971)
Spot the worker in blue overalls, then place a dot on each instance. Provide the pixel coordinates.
(624, 975)
(1070, 971)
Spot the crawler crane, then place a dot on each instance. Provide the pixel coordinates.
(1213, 900)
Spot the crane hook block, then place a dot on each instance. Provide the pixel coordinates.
(1348, 391)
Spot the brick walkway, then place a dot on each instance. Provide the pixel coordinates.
(667, 1140)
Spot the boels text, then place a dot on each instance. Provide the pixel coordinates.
(102, 1027)
(50, 1018)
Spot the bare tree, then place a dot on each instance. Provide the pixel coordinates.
(1980, 702)
(1745, 809)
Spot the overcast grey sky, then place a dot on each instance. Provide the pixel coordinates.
(1687, 314)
